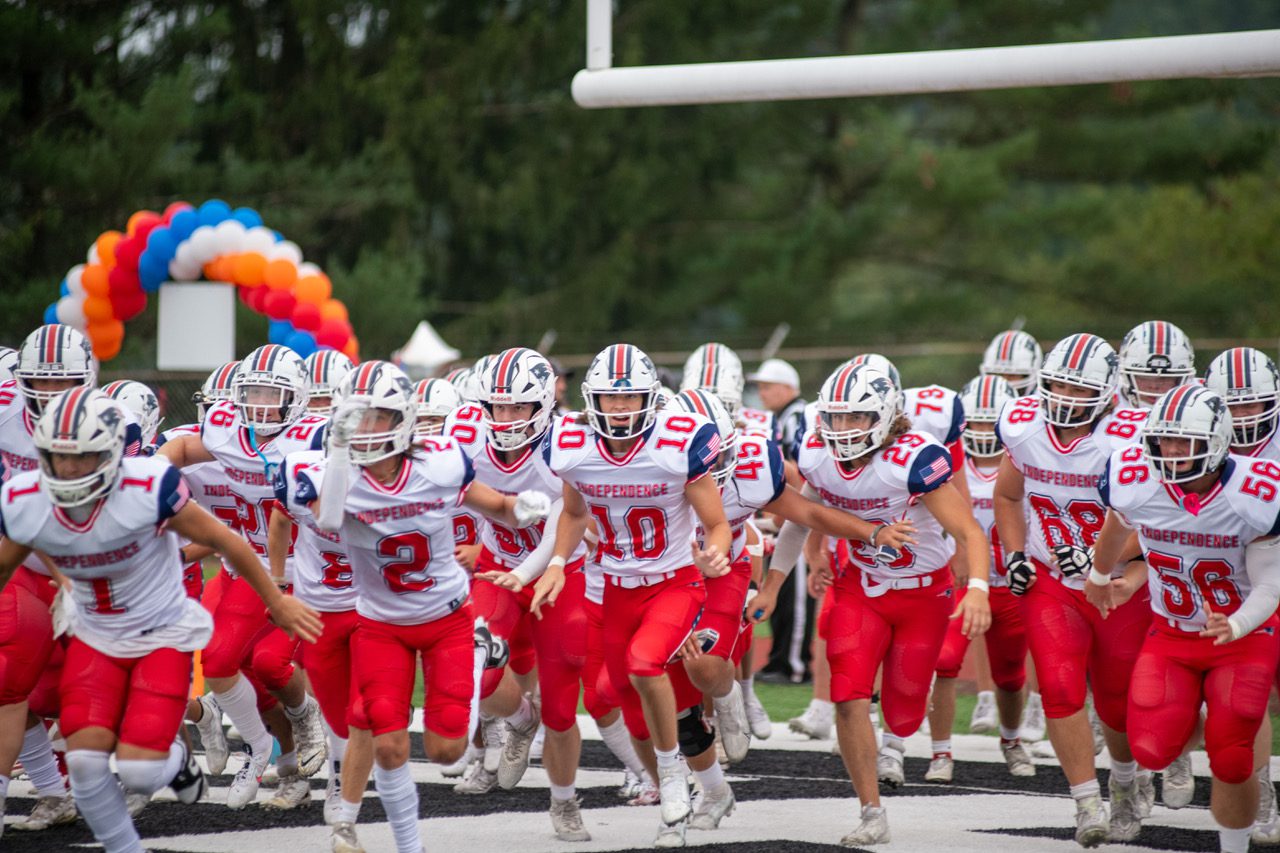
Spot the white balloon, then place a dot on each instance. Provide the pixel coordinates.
(70, 310)
(285, 250)
(74, 285)
(307, 268)
(187, 270)
(231, 237)
(93, 254)
(260, 240)
(204, 244)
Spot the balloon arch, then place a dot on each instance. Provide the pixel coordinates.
(212, 242)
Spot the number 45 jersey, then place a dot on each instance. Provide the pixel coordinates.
(1194, 546)
(1062, 497)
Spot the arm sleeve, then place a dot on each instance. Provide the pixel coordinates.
(703, 450)
(333, 498)
(532, 566)
(174, 494)
(929, 470)
(1262, 565)
(788, 547)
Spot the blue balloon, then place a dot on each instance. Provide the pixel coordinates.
(247, 217)
(160, 244)
(279, 236)
(278, 331)
(51, 314)
(63, 290)
(213, 211)
(152, 271)
(301, 342)
(183, 223)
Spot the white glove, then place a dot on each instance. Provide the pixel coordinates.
(64, 613)
(531, 507)
(345, 421)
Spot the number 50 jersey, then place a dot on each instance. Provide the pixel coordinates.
(637, 501)
(1194, 546)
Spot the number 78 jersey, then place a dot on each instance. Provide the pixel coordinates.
(1194, 546)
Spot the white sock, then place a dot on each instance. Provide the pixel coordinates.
(1008, 734)
(822, 706)
(748, 684)
(400, 801)
(241, 707)
(101, 801)
(1085, 790)
(618, 739)
(297, 711)
(667, 759)
(892, 741)
(287, 762)
(348, 812)
(712, 778)
(38, 760)
(150, 775)
(523, 716)
(1234, 840)
(941, 746)
(1124, 772)
(563, 792)
(477, 672)
(337, 747)
(986, 696)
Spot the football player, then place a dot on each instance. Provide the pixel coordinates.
(1155, 357)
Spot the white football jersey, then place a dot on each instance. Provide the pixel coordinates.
(1194, 546)
(1269, 449)
(1062, 502)
(246, 469)
(756, 422)
(17, 448)
(982, 486)
(934, 410)
(124, 565)
(528, 472)
(399, 538)
(885, 490)
(757, 481)
(637, 501)
(322, 575)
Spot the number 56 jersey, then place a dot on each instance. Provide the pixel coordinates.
(1194, 545)
(637, 501)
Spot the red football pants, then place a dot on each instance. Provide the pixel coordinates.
(328, 665)
(142, 699)
(1006, 643)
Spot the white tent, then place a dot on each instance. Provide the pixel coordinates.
(426, 351)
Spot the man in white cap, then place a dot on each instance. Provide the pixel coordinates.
(779, 387)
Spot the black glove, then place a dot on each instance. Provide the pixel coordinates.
(1073, 561)
(495, 649)
(1021, 572)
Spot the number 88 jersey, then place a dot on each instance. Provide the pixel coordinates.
(1194, 548)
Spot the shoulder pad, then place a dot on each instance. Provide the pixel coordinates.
(1253, 486)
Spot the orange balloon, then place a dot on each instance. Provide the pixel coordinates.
(221, 269)
(106, 244)
(333, 310)
(94, 279)
(139, 216)
(97, 309)
(249, 269)
(352, 349)
(107, 350)
(280, 274)
(106, 338)
(315, 289)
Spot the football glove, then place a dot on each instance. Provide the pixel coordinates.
(1073, 561)
(1021, 572)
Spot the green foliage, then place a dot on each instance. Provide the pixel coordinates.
(428, 155)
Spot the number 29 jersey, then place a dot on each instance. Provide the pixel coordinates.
(637, 501)
(1062, 499)
(1194, 546)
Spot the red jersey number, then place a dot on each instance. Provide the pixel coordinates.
(411, 553)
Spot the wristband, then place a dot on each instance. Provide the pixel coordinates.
(876, 532)
(1097, 578)
(556, 563)
(1236, 631)
(756, 550)
(979, 583)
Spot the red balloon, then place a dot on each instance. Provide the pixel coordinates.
(243, 292)
(129, 306)
(278, 304)
(145, 227)
(128, 251)
(306, 316)
(256, 295)
(333, 333)
(121, 281)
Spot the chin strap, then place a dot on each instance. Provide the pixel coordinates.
(269, 468)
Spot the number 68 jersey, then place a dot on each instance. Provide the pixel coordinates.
(1194, 545)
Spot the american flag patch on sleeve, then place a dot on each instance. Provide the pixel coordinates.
(178, 498)
(936, 470)
(712, 450)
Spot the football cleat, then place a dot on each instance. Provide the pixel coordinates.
(1178, 785)
(49, 811)
(212, 736)
(757, 716)
(244, 787)
(188, 784)
(342, 838)
(479, 780)
(731, 720)
(566, 820)
(889, 767)
(984, 714)
(1092, 825)
(874, 828)
(710, 809)
(1125, 820)
(308, 734)
(941, 768)
(1016, 758)
(673, 791)
(515, 752)
(292, 790)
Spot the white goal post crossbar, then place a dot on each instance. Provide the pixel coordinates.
(1253, 53)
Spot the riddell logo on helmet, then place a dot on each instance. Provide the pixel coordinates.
(1159, 362)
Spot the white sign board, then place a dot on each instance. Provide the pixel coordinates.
(197, 325)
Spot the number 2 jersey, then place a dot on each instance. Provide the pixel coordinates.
(886, 489)
(399, 537)
(124, 566)
(322, 576)
(1194, 545)
(1062, 500)
(637, 501)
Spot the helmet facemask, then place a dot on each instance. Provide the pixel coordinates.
(78, 489)
(981, 443)
(381, 434)
(38, 398)
(846, 443)
(265, 406)
(1184, 466)
(1066, 410)
(726, 462)
(1253, 429)
(515, 434)
(637, 420)
(1145, 398)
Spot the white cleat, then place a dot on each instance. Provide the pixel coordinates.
(757, 716)
(458, 768)
(1146, 793)
(493, 731)
(1125, 822)
(566, 820)
(244, 787)
(649, 795)
(630, 786)
(1016, 758)
(291, 791)
(815, 723)
(874, 828)
(1178, 785)
(709, 810)
(188, 784)
(49, 811)
(1099, 742)
(1092, 824)
(731, 720)
(673, 791)
(308, 734)
(539, 740)
(670, 836)
(1033, 723)
(889, 767)
(342, 838)
(479, 780)
(332, 797)
(135, 802)
(212, 736)
(984, 714)
(941, 769)
(1266, 828)
(515, 752)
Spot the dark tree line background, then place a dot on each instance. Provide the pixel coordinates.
(429, 157)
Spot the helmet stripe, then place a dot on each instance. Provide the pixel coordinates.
(365, 378)
(266, 356)
(1160, 341)
(505, 371)
(67, 414)
(710, 366)
(1176, 403)
(841, 387)
(1006, 346)
(1080, 351)
(1236, 370)
(223, 379)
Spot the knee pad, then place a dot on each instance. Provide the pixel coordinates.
(86, 764)
(1232, 764)
(694, 735)
(141, 777)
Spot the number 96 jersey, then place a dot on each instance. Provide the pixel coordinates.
(1061, 497)
(1194, 545)
(637, 501)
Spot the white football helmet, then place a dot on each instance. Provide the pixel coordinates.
(878, 362)
(216, 387)
(982, 399)
(463, 379)
(716, 368)
(1192, 412)
(436, 398)
(700, 401)
(1155, 350)
(518, 376)
(1085, 361)
(81, 421)
(1242, 376)
(616, 370)
(325, 369)
(270, 389)
(140, 400)
(1017, 357)
(53, 352)
(382, 388)
(857, 390)
(8, 362)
